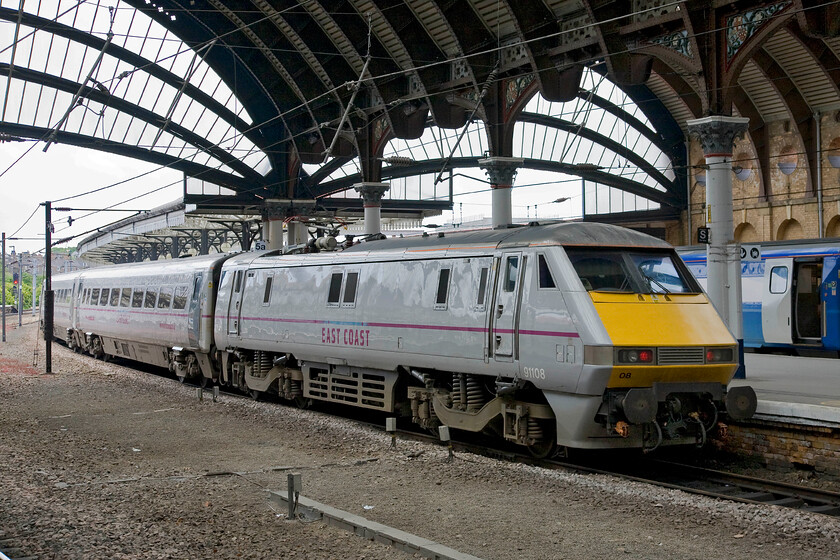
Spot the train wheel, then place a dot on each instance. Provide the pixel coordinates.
(542, 433)
(303, 402)
(542, 449)
(96, 349)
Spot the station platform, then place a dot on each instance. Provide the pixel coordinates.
(794, 387)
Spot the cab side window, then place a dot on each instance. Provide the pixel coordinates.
(443, 288)
(546, 279)
(481, 301)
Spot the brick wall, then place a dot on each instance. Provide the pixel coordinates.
(790, 211)
(785, 446)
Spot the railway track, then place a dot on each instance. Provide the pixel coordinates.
(667, 474)
(679, 476)
(735, 487)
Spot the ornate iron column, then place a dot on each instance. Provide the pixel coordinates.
(273, 217)
(723, 258)
(372, 196)
(501, 172)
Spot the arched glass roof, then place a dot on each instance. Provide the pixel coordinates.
(602, 129)
(92, 72)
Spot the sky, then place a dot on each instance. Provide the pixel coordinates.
(66, 171)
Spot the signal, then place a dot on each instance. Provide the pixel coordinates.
(15, 278)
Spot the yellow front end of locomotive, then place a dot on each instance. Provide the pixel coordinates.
(686, 338)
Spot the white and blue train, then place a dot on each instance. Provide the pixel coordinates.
(790, 295)
(582, 335)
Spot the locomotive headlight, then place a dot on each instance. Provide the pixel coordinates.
(720, 355)
(635, 356)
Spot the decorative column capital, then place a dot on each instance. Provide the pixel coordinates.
(717, 135)
(282, 208)
(501, 170)
(372, 193)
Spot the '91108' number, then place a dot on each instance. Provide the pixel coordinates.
(533, 372)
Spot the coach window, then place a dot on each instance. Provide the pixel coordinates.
(443, 288)
(546, 279)
(151, 298)
(115, 297)
(94, 296)
(350, 287)
(482, 289)
(267, 293)
(137, 298)
(165, 297)
(778, 279)
(125, 297)
(335, 289)
(511, 273)
(179, 301)
(103, 296)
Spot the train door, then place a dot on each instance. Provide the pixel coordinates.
(506, 311)
(78, 290)
(807, 309)
(776, 305)
(235, 303)
(194, 313)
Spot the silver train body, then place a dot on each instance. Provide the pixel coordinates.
(582, 335)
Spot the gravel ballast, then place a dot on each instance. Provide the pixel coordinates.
(104, 461)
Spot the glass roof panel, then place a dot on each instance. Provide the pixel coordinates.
(45, 52)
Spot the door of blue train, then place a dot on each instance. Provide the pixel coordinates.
(505, 323)
(791, 309)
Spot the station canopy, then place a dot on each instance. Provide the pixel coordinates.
(261, 100)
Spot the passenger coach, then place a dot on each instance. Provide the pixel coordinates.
(789, 294)
(159, 312)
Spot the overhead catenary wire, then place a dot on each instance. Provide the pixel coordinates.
(600, 22)
(326, 93)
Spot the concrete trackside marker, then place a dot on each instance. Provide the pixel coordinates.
(372, 530)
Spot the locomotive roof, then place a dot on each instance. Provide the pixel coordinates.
(568, 234)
